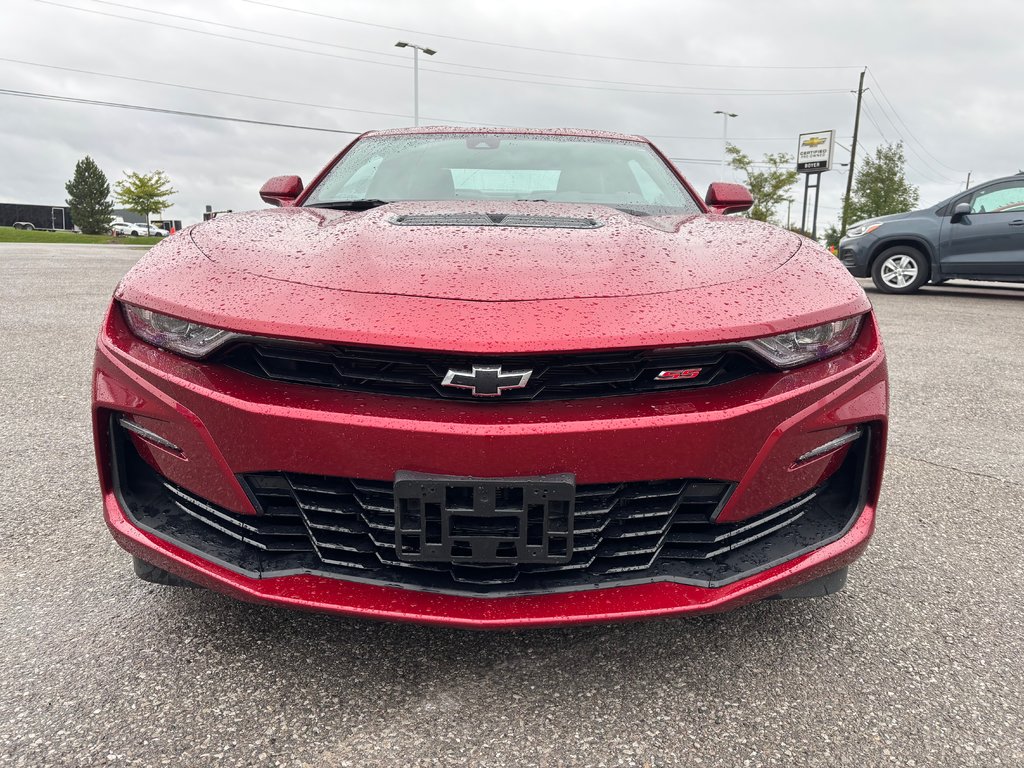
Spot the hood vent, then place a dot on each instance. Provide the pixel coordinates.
(493, 220)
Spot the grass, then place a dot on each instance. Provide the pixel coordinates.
(12, 235)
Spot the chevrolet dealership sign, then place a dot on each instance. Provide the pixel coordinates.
(814, 152)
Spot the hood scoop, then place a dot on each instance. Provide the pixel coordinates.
(493, 220)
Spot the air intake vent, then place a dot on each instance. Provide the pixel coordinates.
(493, 220)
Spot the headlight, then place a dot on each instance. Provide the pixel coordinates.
(863, 229)
(181, 336)
(788, 350)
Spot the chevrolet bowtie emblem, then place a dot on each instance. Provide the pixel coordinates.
(486, 380)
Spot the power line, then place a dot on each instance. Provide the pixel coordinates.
(159, 110)
(225, 118)
(867, 114)
(233, 93)
(164, 25)
(537, 50)
(911, 133)
(933, 175)
(164, 14)
(715, 138)
(313, 105)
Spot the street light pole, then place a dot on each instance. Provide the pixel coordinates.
(725, 135)
(415, 75)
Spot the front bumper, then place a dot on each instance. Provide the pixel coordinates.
(855, 254)
(748, 433)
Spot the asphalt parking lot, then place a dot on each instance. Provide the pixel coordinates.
(917, 663)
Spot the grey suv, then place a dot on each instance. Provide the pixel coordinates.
(974, 235)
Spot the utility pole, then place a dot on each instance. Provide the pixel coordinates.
(853, 155)
(968, 180)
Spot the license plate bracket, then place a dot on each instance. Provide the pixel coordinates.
(484, 521)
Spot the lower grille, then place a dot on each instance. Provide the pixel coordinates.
(617, 528)
(624, 532)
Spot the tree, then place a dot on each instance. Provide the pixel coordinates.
(144, 193)
(767, 187)
(833, 236)
(881, 186)
(89, 198)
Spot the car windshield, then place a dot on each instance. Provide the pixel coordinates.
(477, 166)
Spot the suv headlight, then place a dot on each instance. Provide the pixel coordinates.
(788, 350)
(172, 333)
(863, 229)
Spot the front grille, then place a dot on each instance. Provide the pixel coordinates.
(624, 533)
(554, 377)
(617, 528)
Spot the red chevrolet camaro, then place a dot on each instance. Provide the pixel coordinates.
(492, 379)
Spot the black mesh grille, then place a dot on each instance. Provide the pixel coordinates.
(624, 532)
(553, 377)
(617, 528)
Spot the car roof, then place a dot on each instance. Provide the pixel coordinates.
(587, 133)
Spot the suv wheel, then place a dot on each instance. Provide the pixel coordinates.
(900, 270)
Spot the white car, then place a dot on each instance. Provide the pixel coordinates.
(139, 230)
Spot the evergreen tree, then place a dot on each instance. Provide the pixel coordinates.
(89, 198)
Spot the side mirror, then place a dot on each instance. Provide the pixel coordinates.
(281, 190)
(961, 210)
(723, 197)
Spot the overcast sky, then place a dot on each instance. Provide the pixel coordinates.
(944, 76)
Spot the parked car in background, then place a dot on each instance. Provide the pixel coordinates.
(974, 235)
(156, 231)
(137, 229)
(492, 379)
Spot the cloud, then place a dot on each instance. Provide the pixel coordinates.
(945, 82)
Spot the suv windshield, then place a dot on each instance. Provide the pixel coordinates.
(477, 166)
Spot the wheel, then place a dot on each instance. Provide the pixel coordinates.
(133, 233)
(900, 270)
(154, 575)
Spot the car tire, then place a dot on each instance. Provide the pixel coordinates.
(148, 572)
(900, 269)
(134, 234)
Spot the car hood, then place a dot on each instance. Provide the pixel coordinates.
(674, 281)
(494, 251)
(888, 217)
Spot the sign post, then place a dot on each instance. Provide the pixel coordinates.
(813, 158)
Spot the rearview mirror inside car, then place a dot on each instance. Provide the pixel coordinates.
(723, 197)
(281, 190)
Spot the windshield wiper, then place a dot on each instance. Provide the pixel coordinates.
(632, 211)
(350, 205)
